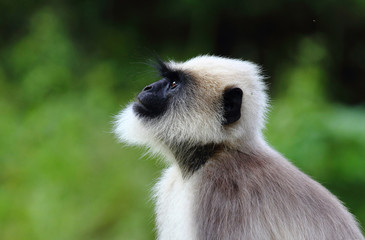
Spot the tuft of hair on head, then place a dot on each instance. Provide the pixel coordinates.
(164, 70)
(161, 67)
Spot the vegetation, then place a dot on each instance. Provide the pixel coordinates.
(67, 68)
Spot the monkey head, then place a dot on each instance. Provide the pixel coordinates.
(205, 100)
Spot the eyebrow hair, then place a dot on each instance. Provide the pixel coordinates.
(167, 72)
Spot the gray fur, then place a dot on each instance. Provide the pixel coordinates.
(263, 196)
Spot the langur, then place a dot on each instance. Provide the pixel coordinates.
(223, 181)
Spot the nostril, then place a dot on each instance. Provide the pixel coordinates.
(147, 88)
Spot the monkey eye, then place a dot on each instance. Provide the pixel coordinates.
(173, 84)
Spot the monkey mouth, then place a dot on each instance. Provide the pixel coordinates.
(139, 102)
(147, 110)
(141, 109)
(139, 106)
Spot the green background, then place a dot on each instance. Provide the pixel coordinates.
(68, 67)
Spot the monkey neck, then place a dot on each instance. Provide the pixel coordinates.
(191, 158)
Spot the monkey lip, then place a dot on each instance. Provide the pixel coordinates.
(141, 109)
(140, 105)
(146, 109)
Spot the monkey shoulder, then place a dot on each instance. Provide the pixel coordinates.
(268, 198)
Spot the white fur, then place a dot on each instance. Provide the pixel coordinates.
(174, 199)
(131, 130)
(218, 73)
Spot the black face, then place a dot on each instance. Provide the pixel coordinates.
(154, 100)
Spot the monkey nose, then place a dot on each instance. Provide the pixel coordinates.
(149, 87)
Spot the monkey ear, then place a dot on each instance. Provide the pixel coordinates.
(232, 101)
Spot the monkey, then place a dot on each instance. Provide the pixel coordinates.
(205, 116)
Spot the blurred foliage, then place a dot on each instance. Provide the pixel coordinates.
(67, 67)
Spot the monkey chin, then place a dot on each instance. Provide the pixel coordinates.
(129, 128)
